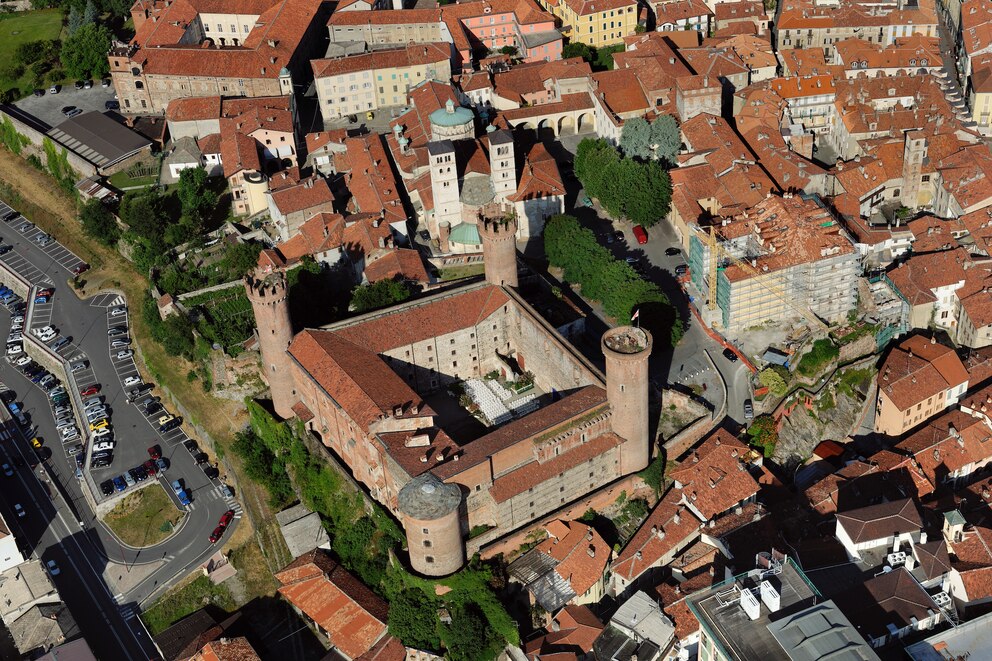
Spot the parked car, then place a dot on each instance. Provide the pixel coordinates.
(116, 330)
(36, 442)
(107, 487)
(177, 487)
(82, 267)
(121, 355)
(730, 355)
(60, 343)
(200, 458)
(162, 463)
(87, 84)
(155, 452)
(78, 84)
(119, 483)
(120, 310)
(66, 110)
(54, 89)
(19, 510)
(748, 409)
(90, 390)
(191, 446)
(681, 269)
(39, 92)
(131, 380)
(78, 366)
(7, 470)
(150, 467)
(120, 344)
(216, 534)
(75, 449)
(671, 252)
(129, 479)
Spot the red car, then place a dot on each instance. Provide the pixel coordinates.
(82, 268)
(91, 390)
(226, 518)
(155, 452)
(216, 534)
(45, 292)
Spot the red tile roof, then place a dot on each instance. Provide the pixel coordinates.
(312, 194)
(238, 152)
(353, 617)
(670, 526)
(880, 521)
(227, 649)
(577, 630)
(714, 477)
(581, 552)
(369, 178)
(919, 368)
(539, 177)
(400, 263)
(409, 56)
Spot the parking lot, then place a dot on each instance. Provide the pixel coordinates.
(87, 324)
(48, 108)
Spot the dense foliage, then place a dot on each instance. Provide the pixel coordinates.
(818, 357)
(659, 140)
(383, 293)
(764, 434)
(773, 381)
(175, 333)
(627, 188)
(613, 282)
(413, 619)
(84, 52)
(99, 223)
(601, 59)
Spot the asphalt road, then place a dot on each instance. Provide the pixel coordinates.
(86, 323)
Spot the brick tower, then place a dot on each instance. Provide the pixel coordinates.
(269, 298)
(433, 529)
(499, 249)
(627, 350)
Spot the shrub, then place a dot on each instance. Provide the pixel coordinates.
(820, 355)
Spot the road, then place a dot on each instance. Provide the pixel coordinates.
(91, 550)
(693, 359)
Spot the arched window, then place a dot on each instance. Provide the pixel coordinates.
(138, 85)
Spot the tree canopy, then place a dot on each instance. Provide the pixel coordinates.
(196, 199)
(378, 295)
(241, 258)
(613, 282)
(627, 188)
(84, 52)
(99, 223)
(659, 140)
(469, 636)
(413, 619)
(764, 434)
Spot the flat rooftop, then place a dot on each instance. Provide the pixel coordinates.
(972, 638)
(719, 610)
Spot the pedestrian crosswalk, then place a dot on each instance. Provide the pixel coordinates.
(127, 612)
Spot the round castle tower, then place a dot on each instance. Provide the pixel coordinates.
(433, 530)
(269, 298)
(627, 350)
(499, 250)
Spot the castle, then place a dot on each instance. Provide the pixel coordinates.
(463, 411)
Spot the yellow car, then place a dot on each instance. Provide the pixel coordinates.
(99, 424)
(36, 442)
(165, 419)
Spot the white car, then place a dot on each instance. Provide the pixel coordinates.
(103, 431)
(19, 510)
(19, 319)
(131, 380)
(44, 329)
(53, 568)
(120, 344)
(78, 367)
(45, 337)
(118, 311)
(22, 361)
(65, 424)
(121, 355)
(105, 445)
(14, 349)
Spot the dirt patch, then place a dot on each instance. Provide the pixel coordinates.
(144, 518)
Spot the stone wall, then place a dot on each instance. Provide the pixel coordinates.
(36, 137)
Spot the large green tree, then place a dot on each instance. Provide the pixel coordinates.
(635, 139)
(84, 53)
(241, 258)
(99, 223)
(196, 199)
(144, 214)
(469, 636)
(665, 138)
(378, 295)
(413, 619)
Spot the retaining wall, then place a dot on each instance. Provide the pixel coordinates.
(679, 444)
(34, 132)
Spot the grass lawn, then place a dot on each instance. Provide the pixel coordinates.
(181, 601)
(21, 27)
(144, 518)
(122, 180)
(459, 272)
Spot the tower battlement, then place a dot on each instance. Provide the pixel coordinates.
(269, 290)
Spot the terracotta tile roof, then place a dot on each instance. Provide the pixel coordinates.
(426, 318)
(672, 595)
(972, 556)
(932, 558)
(907, 52)
(824, 495)
(312, 194)
(369, 178)
(353, 617)
(881, 521)
(670, 526)
(791, 231)
(399, 263)
(585, 7)
(568, 103)
(918, 276)
(916, 370)
(410, 457)
(862, 178)
(535, 472)
(356, 378)
(193, 108)
(209, 144)
(733, 11)
(706, 132)
(424, 99)
(976, 26)
(714, 62)
(385, 17)
(582, 554)
(804, 14)
(302, 412)
(409, 56)
(227, 649)
(320, 233)
(238, 151)
(532, 78)
(894, 598)
(803, 61)
(714, 477)
(755, 52)
(539, 176)
(577, 629)
(672, 12)
(621, 91)
(796, 87)
(947, 444)
(270, 46)
(320, 139)
(388, 648)
(967, 175)
(270, 113)
(553, 416)
(734, 29)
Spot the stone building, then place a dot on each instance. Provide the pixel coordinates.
(204, 48)
(462, 411)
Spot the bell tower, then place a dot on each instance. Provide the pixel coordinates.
(269, 296)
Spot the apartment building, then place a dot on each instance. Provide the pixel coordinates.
(783, 256)
(203, 48)
(918, 379)
(810, 100)
(595, 22)
(816, 24)
(382, 78)
(683, 15)
(916, 54)
(388, 28)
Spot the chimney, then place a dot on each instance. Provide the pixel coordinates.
(592, 551)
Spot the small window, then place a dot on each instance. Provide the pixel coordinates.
(427, 543)
(451, 341)
(426, 531)
(429, 559)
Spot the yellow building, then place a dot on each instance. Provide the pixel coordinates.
(980, 95)
(595, 22)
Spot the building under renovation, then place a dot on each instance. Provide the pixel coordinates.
(785, 258)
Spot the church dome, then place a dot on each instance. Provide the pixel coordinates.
(451, 115)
